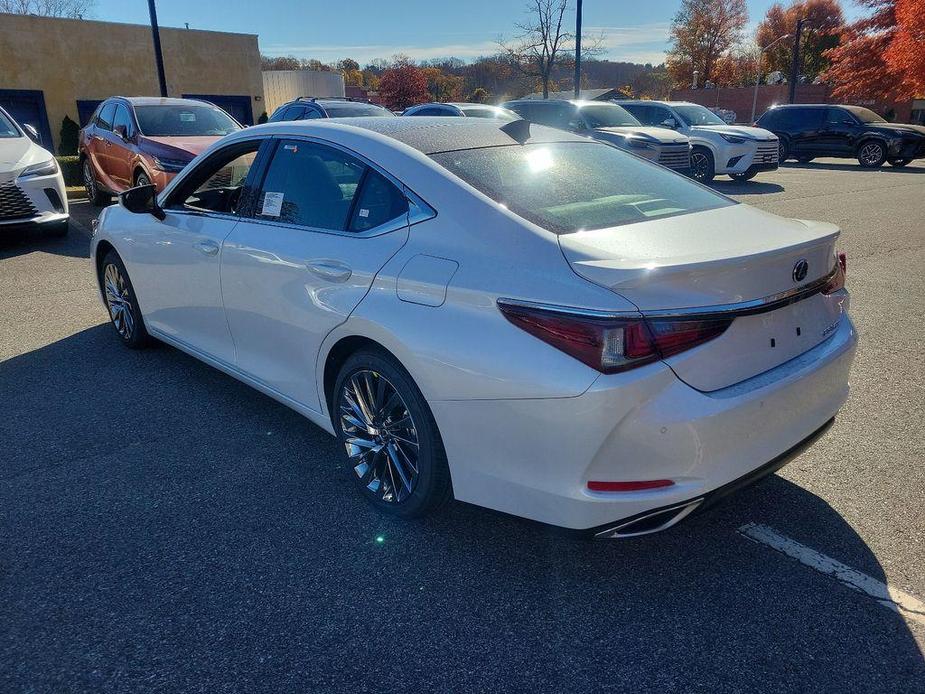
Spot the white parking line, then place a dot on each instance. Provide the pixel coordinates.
(907, 605)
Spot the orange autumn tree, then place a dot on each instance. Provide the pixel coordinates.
(822, 25)
(403, 85)
(906, 53)
(859, 67)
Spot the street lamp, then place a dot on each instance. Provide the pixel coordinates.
(758, 71)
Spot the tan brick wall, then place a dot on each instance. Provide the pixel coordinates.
(71, 59)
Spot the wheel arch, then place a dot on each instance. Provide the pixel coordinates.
(341, 350)
(870, 137)
(103, 249)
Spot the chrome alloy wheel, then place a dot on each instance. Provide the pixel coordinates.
(118, 302)
(871, 154)
(380, 436)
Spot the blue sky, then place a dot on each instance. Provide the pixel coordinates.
(367, 29)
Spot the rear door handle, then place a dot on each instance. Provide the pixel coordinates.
(330, 270)
(207, 247)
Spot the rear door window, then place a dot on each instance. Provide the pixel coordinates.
(309, 185)
(379, 202)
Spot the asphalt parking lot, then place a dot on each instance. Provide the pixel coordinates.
(165, 528)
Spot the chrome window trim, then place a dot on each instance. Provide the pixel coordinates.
(744, 308)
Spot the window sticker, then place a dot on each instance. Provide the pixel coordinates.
(272, 205)
(187, 117)
(364, 212)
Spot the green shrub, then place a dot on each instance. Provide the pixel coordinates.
(263, 118)
(69, 131)
(70, 169)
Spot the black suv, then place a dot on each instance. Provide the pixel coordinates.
(820, 130)
(304, 108)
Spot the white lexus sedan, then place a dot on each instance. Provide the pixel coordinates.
(506, 314)
(31, 186)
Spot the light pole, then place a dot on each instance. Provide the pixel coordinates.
(758, 72)
(158, 56)
(578, 49)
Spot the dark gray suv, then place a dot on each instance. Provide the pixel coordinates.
(304, 108)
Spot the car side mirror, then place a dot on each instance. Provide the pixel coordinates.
(142, 200)
(122, 132)
(32, 133)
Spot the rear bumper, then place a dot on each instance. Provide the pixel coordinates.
(534, 458)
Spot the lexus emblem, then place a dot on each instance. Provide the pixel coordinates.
(800, 270)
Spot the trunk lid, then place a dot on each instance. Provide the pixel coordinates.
(711, 259)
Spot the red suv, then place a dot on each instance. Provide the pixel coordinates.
(134, 141)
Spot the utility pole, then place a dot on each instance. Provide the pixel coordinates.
(795, 65)
(578, 50)
(158, 56)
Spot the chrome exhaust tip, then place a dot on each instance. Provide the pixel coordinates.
(653, 522)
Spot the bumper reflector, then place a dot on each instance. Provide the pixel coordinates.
(628, 486)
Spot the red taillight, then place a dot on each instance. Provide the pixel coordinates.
(611, 345)
(838, 279)
(628, 486)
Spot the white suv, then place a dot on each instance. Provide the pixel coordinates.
(31, 185)
(716, 148)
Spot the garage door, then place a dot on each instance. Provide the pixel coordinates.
(238, 106)
(27, 106)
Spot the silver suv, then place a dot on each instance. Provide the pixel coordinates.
(609, 123)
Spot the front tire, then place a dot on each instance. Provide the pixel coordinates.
(805, 160)
(744, 176)
(141, 179)
(703, 168)
(122, 303)
(899, 163)
(392, 442)
(871, 154)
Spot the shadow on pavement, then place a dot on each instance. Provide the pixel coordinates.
(24, 241)
(164, 527)
(913, 168)
(753, 187)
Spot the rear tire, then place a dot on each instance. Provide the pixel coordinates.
(703, 168)
(120, 299)
(394, 448)
(871, 154)
(96, 197)
(805, 160)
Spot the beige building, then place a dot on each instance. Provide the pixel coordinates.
(282, 86)
(53, 67)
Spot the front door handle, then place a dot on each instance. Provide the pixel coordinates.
(330, 270)
(207, 247)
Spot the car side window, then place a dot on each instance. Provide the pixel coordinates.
(123, 118)
(107, 115)
(644, 114)
(219, 183)
(378, 202)
(309, 185)
(310, 113)
(837, 116)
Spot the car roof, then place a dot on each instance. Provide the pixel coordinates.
(427, 134)
(806, 106)
(159, 101)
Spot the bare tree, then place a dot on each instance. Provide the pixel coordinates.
(75, 9)
(543, 42)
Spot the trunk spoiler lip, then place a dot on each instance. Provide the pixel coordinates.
(719, 311)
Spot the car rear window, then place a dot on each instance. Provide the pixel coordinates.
(574, 186)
